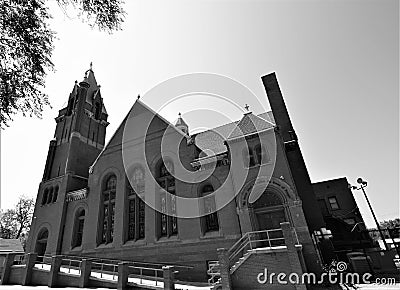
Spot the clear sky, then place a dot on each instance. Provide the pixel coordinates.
(337, 63)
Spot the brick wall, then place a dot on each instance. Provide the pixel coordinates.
(245, 277)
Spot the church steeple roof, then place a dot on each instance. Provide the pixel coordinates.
(89, 78)
(181, 125)
(93, 89)
(180, 121)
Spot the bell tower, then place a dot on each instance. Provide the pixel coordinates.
(80, 131)
(78, 140)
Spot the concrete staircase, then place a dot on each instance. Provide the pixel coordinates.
(240, 261)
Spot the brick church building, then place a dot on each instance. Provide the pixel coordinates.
(87, 206)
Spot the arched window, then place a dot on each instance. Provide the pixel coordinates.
(78, 228)
(136, 206)
(55, 195)
(262, 155)
(43, 235)
(167, 220)
(50, 197)
(268, 199)
(44, 197)
(108, 209)
(209, 222)
(248, 157)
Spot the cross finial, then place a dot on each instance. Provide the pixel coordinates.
(91, 65)
(247, 107)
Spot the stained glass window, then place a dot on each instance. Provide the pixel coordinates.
(136, 206)
(210, 221)
(108, 210)
(168, 222)
(78, 235)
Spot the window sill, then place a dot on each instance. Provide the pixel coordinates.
(76, 249)
(140, 242)
(105, 246)
(213, 234)
(168, 239)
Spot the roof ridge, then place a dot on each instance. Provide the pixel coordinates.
(226, 124)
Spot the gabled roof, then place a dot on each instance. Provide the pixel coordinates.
(213, 139)
(249, 124)
(117, 138)
(11, 246)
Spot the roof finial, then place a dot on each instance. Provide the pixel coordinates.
(179, 114)
(247, 107)
(91, 65)
(138, 96)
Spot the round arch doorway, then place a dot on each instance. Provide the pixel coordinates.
(268, 211)
(41, 244)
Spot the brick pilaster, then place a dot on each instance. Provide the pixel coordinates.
(168, 275)
(223, 258)
(86, 269)
(9, 261)
(123, 273)
(55, 268)
(29, 264)
(294, 261)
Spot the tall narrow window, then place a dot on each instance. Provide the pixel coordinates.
(50, 197)
(333, 202)
(210, 221)
(78, 231)
(167, 220)
(108, 210)
(55, 194)
(136, 206)
(97, 111)
(70, 107)
(44, 197)
(248, 157)
(262, 155)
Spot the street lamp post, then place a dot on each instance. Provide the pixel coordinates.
(363, 184)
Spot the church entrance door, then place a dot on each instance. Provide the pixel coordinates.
(268, 213)
(270, 220)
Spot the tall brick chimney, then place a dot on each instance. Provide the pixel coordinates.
(295, 159)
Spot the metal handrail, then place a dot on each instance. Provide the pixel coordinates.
(70, 266)
(111, 268)
(244, 237)
(43, 260)
(156, 278)
(214, 273)
(250, 238)
(19, 259)
(102, 270)
(110, 261)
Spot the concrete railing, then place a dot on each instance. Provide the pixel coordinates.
(59, 271)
